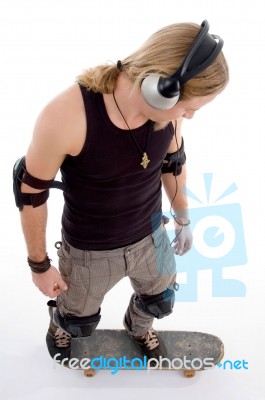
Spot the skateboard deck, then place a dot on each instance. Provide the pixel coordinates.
(115, 350)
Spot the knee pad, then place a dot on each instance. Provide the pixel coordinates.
(75, 326)
(158, 305)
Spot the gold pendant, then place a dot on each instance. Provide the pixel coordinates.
(145, 161)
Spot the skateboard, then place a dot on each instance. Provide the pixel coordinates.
(115, 350)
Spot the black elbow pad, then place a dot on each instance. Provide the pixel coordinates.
(20, 174)
(174, 161)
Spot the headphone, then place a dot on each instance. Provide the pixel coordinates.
(163, 93)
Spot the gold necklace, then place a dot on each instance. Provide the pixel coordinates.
(145, 160)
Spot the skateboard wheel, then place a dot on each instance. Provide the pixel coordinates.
(89, 372)
(189, 373)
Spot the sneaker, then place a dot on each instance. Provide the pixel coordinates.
(61, 339)
(58, 341)
(152, 345)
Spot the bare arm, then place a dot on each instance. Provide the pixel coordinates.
(179, 198)
(180, 202)
(43, 160)
(34, 222)
(174, 188)
(59, 130)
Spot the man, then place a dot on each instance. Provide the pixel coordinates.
(116, 135)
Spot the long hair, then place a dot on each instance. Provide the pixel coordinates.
(162, 53)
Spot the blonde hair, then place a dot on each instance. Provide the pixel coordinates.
(162, 53)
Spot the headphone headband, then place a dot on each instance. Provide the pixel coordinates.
(163, 93)
(203, 52)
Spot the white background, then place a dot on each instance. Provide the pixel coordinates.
(44, 45)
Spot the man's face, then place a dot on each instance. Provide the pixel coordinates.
(183, 109)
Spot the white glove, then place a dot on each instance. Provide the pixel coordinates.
(183, 239)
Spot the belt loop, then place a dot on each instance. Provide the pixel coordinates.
(65, 246)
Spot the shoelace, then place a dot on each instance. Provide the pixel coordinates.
(61, 338)
(151, 340)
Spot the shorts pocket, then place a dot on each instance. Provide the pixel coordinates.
(164, 253)
(65, 264)
(72, 301)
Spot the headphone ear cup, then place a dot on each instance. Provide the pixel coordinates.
(151, 92)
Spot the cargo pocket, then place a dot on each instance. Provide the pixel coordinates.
(164, 253)
(72, 300)
(65, 264)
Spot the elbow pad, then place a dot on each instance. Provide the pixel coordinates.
(174, 161)
(20, 174)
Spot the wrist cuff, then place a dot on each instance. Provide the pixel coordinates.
(181, 223)
(40, 267)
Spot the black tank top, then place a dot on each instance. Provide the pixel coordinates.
(112, 200)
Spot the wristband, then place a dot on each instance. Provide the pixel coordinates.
(40, 267)
(182, 223)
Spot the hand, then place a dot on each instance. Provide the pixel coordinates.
(183, 240)
(50, 283)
